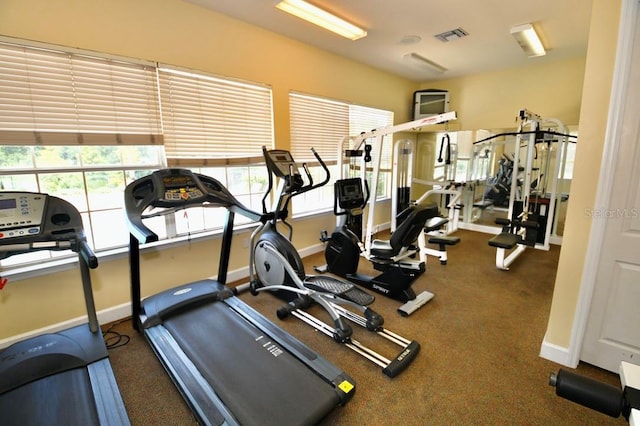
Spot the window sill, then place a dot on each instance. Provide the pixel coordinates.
(48, 267)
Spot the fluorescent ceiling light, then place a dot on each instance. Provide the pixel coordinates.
(528, 40)
(424, 63)
(322, 18)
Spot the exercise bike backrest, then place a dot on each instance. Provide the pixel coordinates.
(412, 224)
(171, 190)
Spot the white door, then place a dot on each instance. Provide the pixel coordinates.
(613, 326)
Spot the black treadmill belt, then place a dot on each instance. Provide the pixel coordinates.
(259, 382)
(61, 399)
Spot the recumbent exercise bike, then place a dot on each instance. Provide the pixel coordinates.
(395, 257)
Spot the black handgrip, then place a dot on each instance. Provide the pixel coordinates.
(327, 176)
(445, 139)
(367, 192)
(367, 153)
(402, 361)
(590, 393)
(88, 254)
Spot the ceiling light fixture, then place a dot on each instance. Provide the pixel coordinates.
(424, 63)
(528, 40)
(322, 18)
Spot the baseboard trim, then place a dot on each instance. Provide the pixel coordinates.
(556, 353)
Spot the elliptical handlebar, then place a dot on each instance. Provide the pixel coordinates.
(324, 167)
(281, 163)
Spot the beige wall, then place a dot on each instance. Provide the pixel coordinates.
(492, 100)
(592, 127)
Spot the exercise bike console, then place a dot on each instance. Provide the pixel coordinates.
(350, 196)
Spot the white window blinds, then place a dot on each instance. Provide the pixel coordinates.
(318, 123)
(209, 121)
(321, 123)
(365, 119)
(66, 97)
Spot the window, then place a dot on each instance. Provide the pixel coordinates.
(322, 124)
(79, 127)
(217, 127)
(92, 178)
(82, 127)
(210, 121)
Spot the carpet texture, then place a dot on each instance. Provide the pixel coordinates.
(480, 337)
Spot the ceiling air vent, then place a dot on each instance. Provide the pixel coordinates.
(451, 35)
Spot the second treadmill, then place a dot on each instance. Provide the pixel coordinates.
(231, 364)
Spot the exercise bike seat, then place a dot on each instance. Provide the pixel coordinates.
(413, 221)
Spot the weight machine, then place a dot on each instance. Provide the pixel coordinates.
(356, 143)
(396, 256)
(438, 228)
(535, 187)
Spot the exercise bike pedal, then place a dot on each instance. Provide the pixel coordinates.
(340, 288)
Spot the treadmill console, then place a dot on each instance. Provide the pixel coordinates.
(20, 213)
(31, 221)
(174, 189)
(180, 187)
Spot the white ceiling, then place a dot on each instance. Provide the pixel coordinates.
(563, 24)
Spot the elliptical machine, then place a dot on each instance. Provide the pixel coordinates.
(394, 257)
(276, 266)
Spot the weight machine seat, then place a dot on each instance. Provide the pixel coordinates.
(444, 240)
(413, 221)
(435, 223)
(483, 204)
(505, 240)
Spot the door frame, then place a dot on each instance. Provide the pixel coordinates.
(628, 19)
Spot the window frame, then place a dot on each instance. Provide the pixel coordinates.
(98, 138)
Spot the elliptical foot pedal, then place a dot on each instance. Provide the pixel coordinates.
(340, 288)
(413, 305)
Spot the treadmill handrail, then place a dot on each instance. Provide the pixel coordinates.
(175, 189)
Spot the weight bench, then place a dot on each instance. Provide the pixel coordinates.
(433, 225)
(483, 204)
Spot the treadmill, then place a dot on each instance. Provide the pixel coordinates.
(62, 378)
(231, 364)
